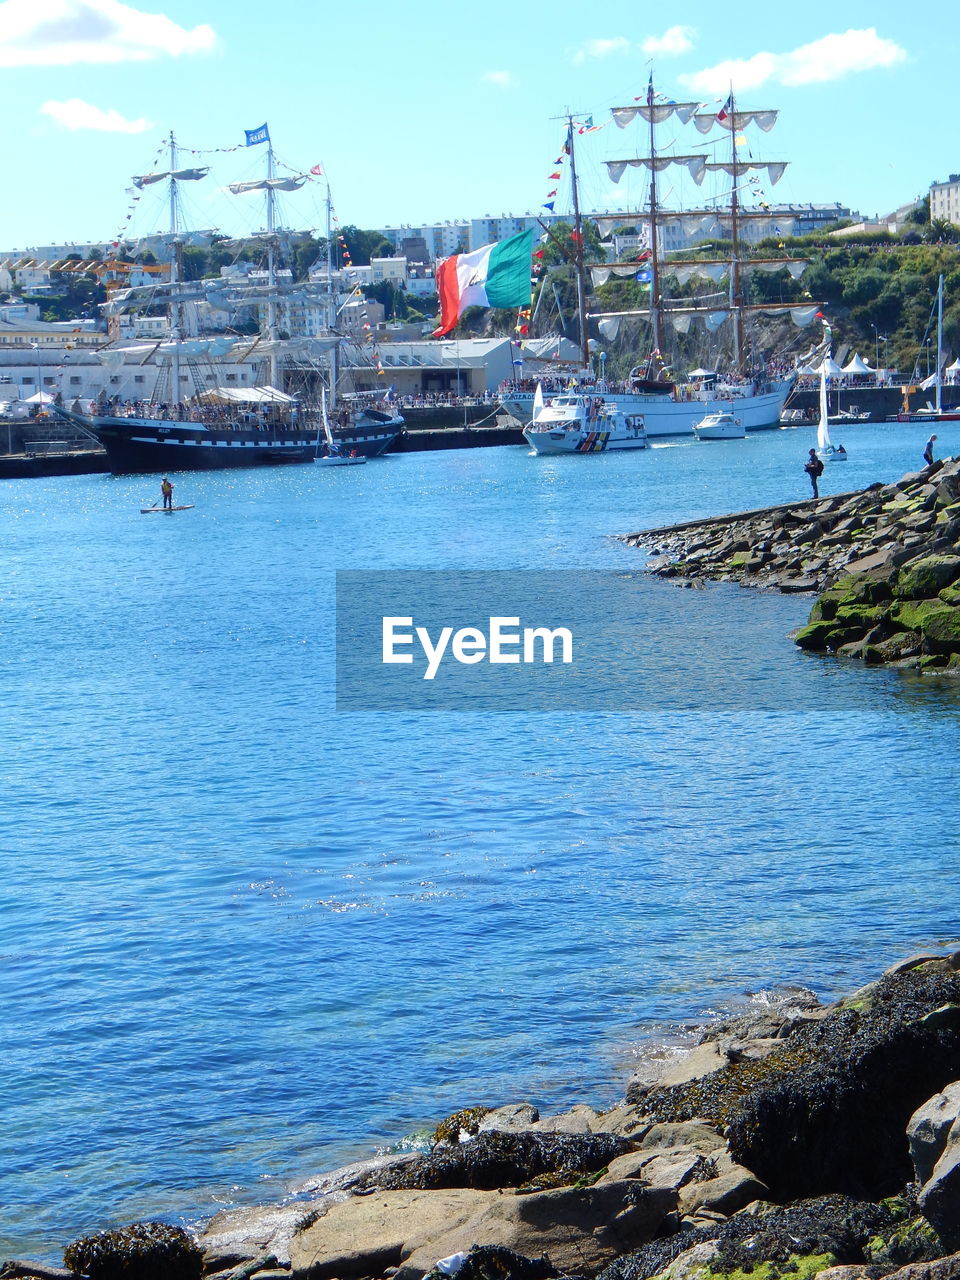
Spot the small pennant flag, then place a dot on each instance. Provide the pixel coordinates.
(554, 176)
(317, 170)
(726, 108)
(261, 134)
(548, 204)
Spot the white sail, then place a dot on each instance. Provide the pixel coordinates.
(734, 121)
(267, 184)
(657, 113)
(537, 402)
(177, 175)
(696, 166)
(823, 429)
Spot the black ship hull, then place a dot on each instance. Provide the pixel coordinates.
(137, 445)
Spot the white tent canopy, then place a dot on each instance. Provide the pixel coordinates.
(829, 366)
(858, 367)
(245, 395)
(39, 397)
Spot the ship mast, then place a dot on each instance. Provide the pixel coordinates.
(578, 254)
(736, 294)
(939, 341)
(272, 329)
(331, 307)
(176, 273)
(656, 317)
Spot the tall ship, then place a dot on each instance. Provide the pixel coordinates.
(751, 388)
(222, 426)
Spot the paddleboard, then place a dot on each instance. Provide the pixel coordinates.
(146, 511)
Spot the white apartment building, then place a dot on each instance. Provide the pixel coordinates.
(945, 200)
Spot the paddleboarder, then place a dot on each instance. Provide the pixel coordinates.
(166, 488)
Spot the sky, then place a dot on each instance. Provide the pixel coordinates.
(427, 111)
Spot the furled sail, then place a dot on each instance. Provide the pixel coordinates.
(775, 168)
(268, 184)
(695, 165)
(657, 113)
(734, 121)
(177, 175)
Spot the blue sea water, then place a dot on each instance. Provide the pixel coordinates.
(246, 936)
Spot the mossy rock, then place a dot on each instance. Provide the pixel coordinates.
(941, 630)
(142, 1251)
(906, 1242)
(870, 588)
(464, 1121)
(924, 578)
(950, 595)
(862, 615)
(816, 636)
(910, 614)
(797, 1266)
(767, 1240)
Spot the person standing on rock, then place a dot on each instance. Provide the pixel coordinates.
(814, 469)
(928, 451)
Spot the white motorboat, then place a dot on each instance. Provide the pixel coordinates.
(583, 424)
(719, 426)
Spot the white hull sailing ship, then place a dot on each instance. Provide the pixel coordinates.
(671, 406)
(223, 427)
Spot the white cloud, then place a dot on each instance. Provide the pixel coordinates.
(77, 114)
(603, 48)
(502, 79)
(56, 33)
(829, 58)
(673, 42)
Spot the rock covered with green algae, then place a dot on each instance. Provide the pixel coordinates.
(885, 560)
(767, 1241)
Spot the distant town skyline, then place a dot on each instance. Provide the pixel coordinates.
(421, 114)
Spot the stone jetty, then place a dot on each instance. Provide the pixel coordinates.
(797, 1140)
(884, 560)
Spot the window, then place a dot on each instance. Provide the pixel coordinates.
(114, 381)
(138, 377)
(74, 382)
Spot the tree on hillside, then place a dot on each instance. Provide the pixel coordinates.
(364, 245)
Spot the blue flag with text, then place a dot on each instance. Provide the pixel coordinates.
(260, 134)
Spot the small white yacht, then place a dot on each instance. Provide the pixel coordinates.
(583, 424)
(719, 426)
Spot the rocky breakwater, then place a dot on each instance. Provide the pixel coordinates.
(795, 1141)
(885, 561)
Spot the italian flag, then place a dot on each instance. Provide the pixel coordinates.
(497, 275)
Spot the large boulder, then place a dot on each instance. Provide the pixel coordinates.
(921, 579)
(929, 1129)
(363, 1235)
(934, 1136)
(580, 1229)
